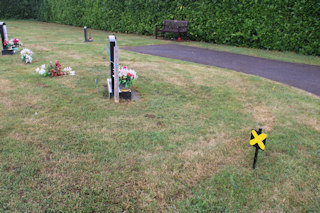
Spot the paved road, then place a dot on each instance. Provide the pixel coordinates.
(306, 77)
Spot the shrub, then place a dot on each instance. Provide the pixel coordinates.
(288, 25)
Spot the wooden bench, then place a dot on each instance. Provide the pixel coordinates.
(172, 26)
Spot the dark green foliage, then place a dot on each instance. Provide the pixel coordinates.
(19, 9)
(287, 25)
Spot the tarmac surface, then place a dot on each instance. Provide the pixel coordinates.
(303, 76)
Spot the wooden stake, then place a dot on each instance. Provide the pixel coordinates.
(116, 74)
(255, 158)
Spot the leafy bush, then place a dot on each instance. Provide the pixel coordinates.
(19, 9)
(287, 25)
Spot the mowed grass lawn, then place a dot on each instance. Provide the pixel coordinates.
(182, 147)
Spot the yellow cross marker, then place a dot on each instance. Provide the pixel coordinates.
(258, 139)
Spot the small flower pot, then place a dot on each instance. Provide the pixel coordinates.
(124, 88)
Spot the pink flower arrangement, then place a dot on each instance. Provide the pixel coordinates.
(127, 77)
(16, 41)
(12, 43)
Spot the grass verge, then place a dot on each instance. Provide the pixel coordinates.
(183, 146)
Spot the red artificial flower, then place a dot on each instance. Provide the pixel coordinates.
(5, 42)
(131, 75)
(15, 41)
(58, 66)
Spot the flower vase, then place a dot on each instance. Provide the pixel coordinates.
(124, 88)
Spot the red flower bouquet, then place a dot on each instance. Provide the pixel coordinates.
(55, 70)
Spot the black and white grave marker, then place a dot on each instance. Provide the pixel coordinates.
(4, 36)
(114, 66)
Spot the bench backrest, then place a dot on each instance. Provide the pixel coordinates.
(175, 25)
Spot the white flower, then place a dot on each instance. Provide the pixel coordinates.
(67, 69)
(124, 71)
(26, 52)
(133, 73)
(28, 59)
(26, 55)
(42, 71)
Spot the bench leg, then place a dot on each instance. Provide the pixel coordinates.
(156, 33)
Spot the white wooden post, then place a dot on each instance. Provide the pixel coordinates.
(116, 74)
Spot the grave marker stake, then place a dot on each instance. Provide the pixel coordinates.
(255, 158)
(113, 81)
(257, 151)
(112, 45)
(258, 139)
(116, 74)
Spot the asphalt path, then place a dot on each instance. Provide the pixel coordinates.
(303, 76)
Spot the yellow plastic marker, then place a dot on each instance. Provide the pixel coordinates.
(258, 139)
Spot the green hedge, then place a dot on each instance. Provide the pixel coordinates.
(19, 9)
(286, 25)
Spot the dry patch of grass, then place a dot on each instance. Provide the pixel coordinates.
(39, 47)
(6, 87)
(264, 117)
(311, 122)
